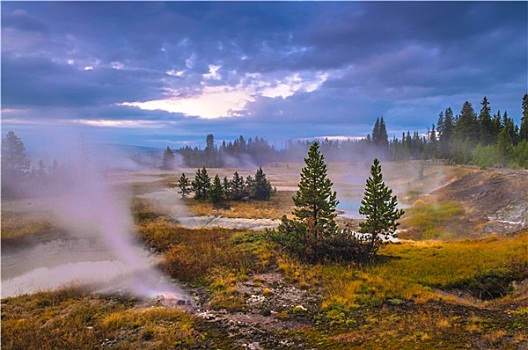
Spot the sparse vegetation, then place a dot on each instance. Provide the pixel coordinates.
(17, 225)
(184, 185)
(433, 220)
(419, 294)
(274, 208)
(313, 234)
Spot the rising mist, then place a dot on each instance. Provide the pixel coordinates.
(97, 247)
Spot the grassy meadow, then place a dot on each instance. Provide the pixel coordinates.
(438, 292)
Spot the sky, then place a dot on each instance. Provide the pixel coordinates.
(159, 74)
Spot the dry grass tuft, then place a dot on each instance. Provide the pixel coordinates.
(17, 225)
(279, 204)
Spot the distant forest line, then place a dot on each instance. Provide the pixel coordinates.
(482, 139)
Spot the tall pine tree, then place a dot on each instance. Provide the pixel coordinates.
(315, 201)
(201, 184)
(260, 188)
(217, 193)
(467, 125)
(169, 159)
(238, 187)
(523, 132)
(445, 132)
(485, 124)
(15, 163)
(379, 207)
(184, 185)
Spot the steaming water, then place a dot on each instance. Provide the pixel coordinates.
(73, 261)
(48, 278)
(99, 249)
(350, 208)
(168, 199)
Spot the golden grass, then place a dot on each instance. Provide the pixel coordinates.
(190, 254)
(279, 204)
(72, 319)
(390, 304)
(162, 328)
(414, 269)
(17, 225)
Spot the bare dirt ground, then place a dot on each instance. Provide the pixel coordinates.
(496, 200)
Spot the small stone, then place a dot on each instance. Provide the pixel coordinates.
(266, 312)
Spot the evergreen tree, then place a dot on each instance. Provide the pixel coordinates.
(260, 188)
(523, 132)
(383, 137)
(169, 159)
(376, 132)
(445, 131)
(431, 148)
(184, 185)
(240, 146)
(227, 187)
(467, 125)
(249, 183)
(238, 187)
(315, 201)
(486, 136)
(379, 134)
(504, 146)
(496, 125)
(201, 184)
(511, 128)
(15, 163)
(212, 157)
(379, 207)
(217, 193)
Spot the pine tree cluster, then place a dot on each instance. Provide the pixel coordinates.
(313, 234)
(220, 192)
(482, 138)
(469, 138)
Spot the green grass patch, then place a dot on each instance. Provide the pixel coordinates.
(432, 220)
(414, 269)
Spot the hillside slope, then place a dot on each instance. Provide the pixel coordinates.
(496, 201)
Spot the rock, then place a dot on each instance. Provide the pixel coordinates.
(254, 346)
(266, 312)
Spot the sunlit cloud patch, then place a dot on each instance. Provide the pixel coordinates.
(226, 101)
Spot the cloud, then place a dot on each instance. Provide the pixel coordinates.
(281, 68)
(212, 102)
(225, 101)
(119, 123)
(21, 21)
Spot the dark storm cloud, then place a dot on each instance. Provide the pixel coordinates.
(21, 21)
(416, 44)
(305, 67)
(33, 82)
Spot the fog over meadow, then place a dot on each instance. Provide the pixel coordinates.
(89, 198)
(99, 248)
